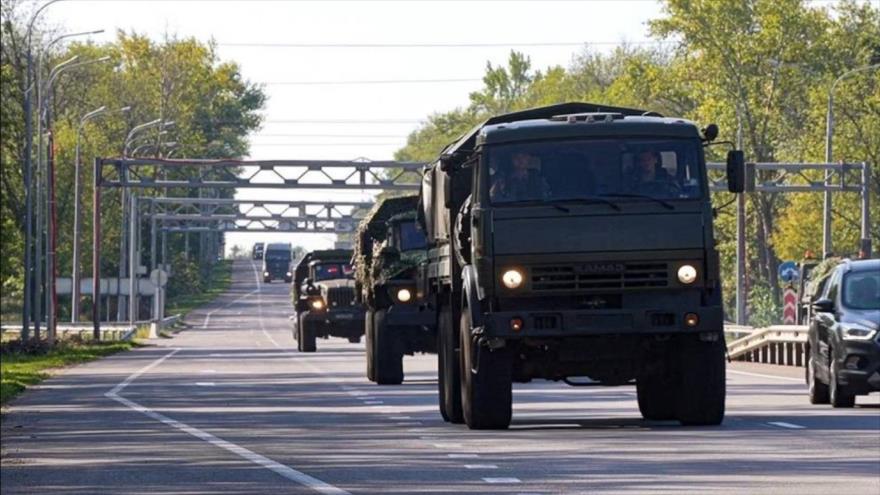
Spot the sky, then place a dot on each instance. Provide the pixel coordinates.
(293, 48)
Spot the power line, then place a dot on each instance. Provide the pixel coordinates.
(380, 81)
(438, 45)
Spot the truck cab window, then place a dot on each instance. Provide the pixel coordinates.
(331, 271)
(411, 238)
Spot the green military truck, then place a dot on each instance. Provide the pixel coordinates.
(574, 242)
(324, 299)
(389, 248)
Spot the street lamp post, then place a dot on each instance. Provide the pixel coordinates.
(829, 133)
(77, 212)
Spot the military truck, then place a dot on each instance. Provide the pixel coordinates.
(574, 242)
(276, 262)
(323, 298)
(389, 249)
(257, 251)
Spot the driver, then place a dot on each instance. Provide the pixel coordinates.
(521, 182)
(647, 171)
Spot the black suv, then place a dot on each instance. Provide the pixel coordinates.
(844, 337)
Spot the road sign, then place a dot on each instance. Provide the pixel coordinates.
(158, 277)
(789, 306)
(788, 271)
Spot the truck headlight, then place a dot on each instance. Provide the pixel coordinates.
(317, 304)
(288, 274)
(404, 295)
(687, 274)
(265, 274)
(853, 331)
(512, 278)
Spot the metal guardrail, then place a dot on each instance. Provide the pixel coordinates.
(777, 344)
(84, 331)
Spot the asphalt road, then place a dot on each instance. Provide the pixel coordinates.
(229, 406)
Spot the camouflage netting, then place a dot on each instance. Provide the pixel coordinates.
(372, 231)
(819, 274)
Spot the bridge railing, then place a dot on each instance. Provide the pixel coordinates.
(777, 344)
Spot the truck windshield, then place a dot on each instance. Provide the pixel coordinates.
(411, 238)
(330, 271)
(278, 255)
(615, 168)
(861, 290)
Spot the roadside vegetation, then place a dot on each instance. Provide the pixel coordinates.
(22, 366)
(189, 290)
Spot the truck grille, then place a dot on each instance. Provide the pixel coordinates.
(585, 276)
(341, 297)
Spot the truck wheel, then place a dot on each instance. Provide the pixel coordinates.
(702, 385)
(297, 335)
(656, 398)
(837, 393)
(370, 345)
(447, 368)
(818, 390)
(388, 360)
(306, 337)
(486, 382)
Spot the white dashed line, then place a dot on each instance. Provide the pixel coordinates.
(205, 384)
(447, 445)
(462, 456)
(208, 371)
(413, 423)
(373, 402)
(502, 480)
(399, 417)
(783, 424)
(480, 466)
(760, 375)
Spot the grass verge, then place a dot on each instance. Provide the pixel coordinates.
(22, 366)
(221, 276)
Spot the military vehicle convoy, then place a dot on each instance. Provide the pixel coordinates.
(574, 242)
(389, 248)
(324, 299)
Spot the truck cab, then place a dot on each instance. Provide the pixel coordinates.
(575, 242)
(276, 262)
(389, 250)
(323, 297)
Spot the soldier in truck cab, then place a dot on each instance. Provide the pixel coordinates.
(519, 180)
(647, 172)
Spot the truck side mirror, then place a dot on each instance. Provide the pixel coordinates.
(736, 171)
(823, 306)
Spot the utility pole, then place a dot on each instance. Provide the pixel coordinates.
(740, 239)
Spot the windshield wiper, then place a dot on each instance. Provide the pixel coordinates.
(558, 204)
(666, 204)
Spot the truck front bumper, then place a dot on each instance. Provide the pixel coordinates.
(584, 323)
(335, 323)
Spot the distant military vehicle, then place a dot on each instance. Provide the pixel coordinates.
(257, 251)
(389, 248)
(574, 242)
(324, 301)
(276, 262)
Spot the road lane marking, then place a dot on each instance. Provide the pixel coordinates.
(210, 313)
(274, 466)
(783, 424)
(399, 417)
(502, 480)
(373, 402)
(480, 466)
(205, 384)
(462, 456)
(761, 375)
(208, 371)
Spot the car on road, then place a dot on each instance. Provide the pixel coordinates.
(389, 249)
(324, 301)
(276, 262)
(257, 251)
(843, 346)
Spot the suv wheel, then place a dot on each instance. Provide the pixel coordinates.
(839, 396)
(818, 390)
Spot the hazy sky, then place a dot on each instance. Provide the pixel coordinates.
(249, 32)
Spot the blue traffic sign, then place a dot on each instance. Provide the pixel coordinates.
(788, 271)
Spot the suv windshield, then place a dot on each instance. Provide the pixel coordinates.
(568, 170)
(861, 290)
(330, 271)
(411, 237)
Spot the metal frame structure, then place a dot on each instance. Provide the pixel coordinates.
(133, 173)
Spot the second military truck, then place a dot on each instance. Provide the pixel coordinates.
(276, 262)
(574, 242)
(324, 300)
(389, 249)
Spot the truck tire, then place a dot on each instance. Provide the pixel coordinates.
(656, 397)
(370, 345)
(702, 382)
(486, 382)
(818, 391)
(448, 368)
(838, 395)
(297, 335)
(388, 360)
(306, 337)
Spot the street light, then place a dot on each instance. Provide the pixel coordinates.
(829, 132)
(77, 210)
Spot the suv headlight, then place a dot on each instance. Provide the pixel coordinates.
(852, 331)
